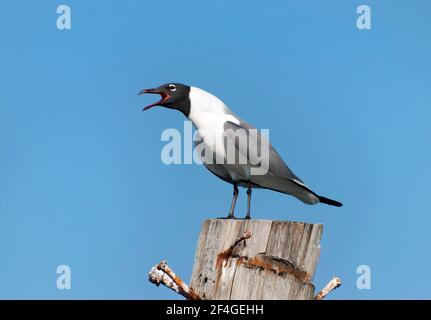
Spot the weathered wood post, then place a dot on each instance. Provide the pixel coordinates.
(256, 259)
(251, 259)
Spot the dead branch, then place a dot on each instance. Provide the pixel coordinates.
(277, 265)
(246, 235)
(163, 274)
(226, 254)
(332, 285)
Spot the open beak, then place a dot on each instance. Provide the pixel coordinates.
(164, 96)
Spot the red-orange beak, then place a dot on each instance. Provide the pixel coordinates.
(164, 96)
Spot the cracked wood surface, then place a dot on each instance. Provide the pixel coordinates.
(275, 259)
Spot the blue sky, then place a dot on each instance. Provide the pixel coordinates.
(81, 180)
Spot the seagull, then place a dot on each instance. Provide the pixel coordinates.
(213, 119)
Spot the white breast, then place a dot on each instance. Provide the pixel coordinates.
(208, 114)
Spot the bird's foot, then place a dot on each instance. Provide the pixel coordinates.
(245, 218)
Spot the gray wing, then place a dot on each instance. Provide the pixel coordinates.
(279, 177)
(276, 165)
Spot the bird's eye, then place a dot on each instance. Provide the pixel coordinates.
(172, 87)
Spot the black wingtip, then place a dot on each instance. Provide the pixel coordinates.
(330, 202)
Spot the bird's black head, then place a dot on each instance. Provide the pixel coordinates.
(174, 96)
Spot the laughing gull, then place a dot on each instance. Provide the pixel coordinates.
(213, 119)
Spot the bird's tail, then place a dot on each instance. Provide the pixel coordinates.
(329, 201)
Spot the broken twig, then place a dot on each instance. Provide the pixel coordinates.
(332, 285)
(262, 261)
(246, 235)
(277, 265)
(226, 254)
(163, 274)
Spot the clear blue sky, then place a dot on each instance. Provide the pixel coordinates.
(81, 180)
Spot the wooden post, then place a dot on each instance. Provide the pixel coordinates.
(256, 259)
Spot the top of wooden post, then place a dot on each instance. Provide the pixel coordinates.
(277, 261)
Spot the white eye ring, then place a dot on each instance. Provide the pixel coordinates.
(172, 87)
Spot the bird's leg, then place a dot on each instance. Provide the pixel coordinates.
(248, 201)
(232, 206)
